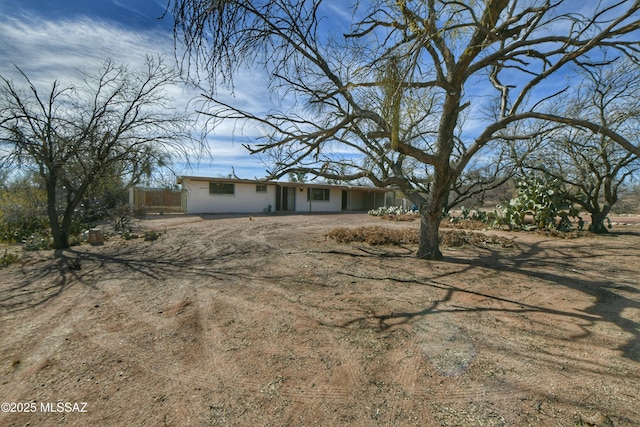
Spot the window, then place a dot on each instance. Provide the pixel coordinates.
(261, 188)
(222, 188)
(317, 194)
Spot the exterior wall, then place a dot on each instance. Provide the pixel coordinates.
(245, 199)
(334, 204)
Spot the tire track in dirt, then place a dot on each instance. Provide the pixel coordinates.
(409, 360)
(61, 327)
(174, 344)
(207, 338)
(210, 357)
(31, 356)
(337, 382)
(207, 317)
(119, 335)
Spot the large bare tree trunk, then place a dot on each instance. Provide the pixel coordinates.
(597, 220)
(60, 238)
(58, 232)
(431, 214)
(429, 246)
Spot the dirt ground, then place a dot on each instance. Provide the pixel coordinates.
(264, 321)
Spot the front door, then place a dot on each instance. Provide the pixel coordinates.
(288, 198)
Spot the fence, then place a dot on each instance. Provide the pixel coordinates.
(157, 200)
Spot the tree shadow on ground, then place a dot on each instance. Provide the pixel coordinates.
(608, 304)
(535, 261)
(41, 284)
(50, 277)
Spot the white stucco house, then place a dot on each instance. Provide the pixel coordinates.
(230, 195)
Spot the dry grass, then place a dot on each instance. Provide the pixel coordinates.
(376, 235)
(466, 224)
(400, 218)
(573, 234)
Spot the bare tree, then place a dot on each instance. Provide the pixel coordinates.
(116, 120)
(592, 167)
(407, 92)
(482, 176)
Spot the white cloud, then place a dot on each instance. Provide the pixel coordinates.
(49, 50)
(57, 50)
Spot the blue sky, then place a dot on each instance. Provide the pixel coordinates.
(53, 39)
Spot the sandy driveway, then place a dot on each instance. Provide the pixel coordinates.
(265, 321)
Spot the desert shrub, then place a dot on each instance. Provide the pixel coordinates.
(29, 225)
(79, 226)
(474, 219)
(76, 240)
(465, 224)
(571, 234)
(467, 214)
(374, 235)
(150, 236)
(8, 258)
(22, 211)
(120, 216)
(38, 241)
(21, 227)
(127, 235)
(457, 238)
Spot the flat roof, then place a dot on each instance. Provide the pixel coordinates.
(280, 183)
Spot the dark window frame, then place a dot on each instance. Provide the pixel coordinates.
(318, 194)
(225, 188)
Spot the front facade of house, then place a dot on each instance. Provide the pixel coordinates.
(230, 195)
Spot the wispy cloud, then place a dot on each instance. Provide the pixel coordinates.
(48, 50)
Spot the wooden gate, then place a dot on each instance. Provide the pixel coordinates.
(158, 200)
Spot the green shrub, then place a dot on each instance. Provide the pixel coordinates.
(22, 210)
(470, 215)
(540, 204)
(38, 241)
(127, 235)
(21, 226)
(75, 240)
(8, 258)
(150, 236)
